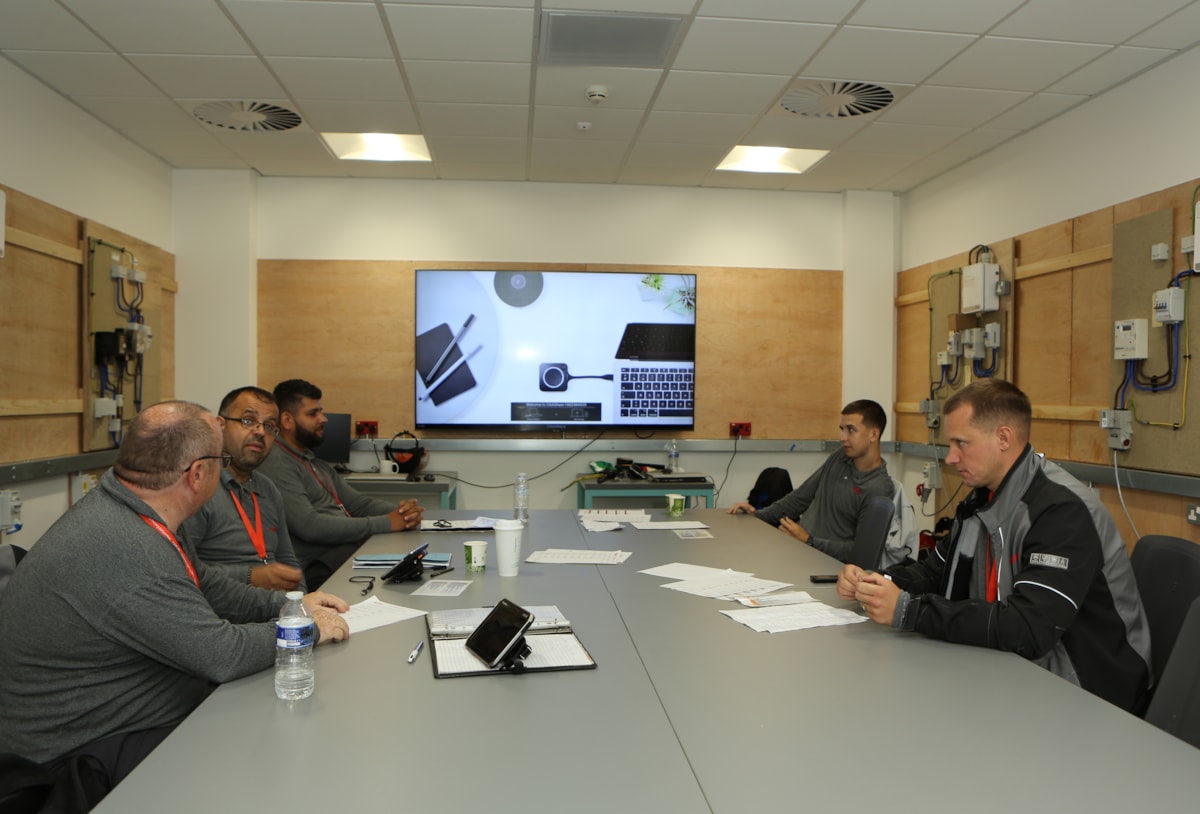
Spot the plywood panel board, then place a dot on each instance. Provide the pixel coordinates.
(768, 350)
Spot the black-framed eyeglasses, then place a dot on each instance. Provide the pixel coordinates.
(269, 427)
(224, 456)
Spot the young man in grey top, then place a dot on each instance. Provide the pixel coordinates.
(327, 517)
(825, 510)
(112, 629)
(243, 530)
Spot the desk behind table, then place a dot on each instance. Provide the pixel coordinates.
(395, 488)
(686, 711)
(629, 491)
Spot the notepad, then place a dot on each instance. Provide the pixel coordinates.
(552, 643)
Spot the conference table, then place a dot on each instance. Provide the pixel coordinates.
(686, 711)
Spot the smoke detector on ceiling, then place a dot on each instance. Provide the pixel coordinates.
(836, 100)
(250, 117)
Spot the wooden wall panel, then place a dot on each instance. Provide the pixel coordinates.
(45, 383)
(1065, 295)
(768, 352)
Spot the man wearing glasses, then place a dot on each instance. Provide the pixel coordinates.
(242, 530)
(112, 629)
(328, 518)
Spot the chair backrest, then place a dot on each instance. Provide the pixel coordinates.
(773, 483)
(872, 532)
(1175, 707)
(1167, 570)
(904, 538)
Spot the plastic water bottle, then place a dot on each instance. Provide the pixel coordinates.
(673, 457)
(295, 634)
(521, 498)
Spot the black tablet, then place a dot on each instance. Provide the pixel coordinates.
(410, 567)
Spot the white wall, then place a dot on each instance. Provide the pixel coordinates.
(1138, 138)
(54, 151)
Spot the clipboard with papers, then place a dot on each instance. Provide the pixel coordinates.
(552, 643)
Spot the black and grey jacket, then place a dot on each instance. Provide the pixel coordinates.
(1065, 592)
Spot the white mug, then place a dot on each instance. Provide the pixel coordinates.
(389, 468)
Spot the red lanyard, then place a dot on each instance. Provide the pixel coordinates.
(328, 489)
(256, 533)
(166, 532)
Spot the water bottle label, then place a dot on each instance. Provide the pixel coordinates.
(295, 636)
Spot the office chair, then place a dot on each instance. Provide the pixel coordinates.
(1175, 707)
(1167, 571)
(872, 534)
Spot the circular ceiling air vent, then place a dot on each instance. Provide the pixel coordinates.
(251, 117)
(836, 100)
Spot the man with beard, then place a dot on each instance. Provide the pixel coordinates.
(329, 519)
(242, 531)
(825, 510)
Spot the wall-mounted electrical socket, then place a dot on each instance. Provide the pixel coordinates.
(1193, 514)
(366, 428)
(932, 409)
(739, 428)
(933, 475)
(1119, 424)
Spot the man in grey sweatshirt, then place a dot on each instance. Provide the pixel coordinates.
(112, 629)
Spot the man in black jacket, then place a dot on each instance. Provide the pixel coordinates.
(1034, 564)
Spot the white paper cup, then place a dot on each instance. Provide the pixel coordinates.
(675, 505)
(475, 553)
(508, 546)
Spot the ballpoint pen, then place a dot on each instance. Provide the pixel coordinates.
(440, 571)
(436, 365)
(416, 651)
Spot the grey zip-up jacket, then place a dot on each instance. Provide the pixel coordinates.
(1065, 592)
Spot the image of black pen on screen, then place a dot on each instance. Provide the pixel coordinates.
(433, 371)
(449, 372)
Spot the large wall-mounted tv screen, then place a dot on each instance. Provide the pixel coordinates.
(555, 349)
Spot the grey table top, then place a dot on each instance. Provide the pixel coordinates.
(686, 711)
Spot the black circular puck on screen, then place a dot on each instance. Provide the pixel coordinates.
(518, 288)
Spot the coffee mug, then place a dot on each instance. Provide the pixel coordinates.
(389, 468)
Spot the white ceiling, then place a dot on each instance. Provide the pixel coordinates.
(967, 75)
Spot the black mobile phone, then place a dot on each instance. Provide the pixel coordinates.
(820, 579)
(499, 632)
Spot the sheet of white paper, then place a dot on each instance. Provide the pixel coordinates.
(682, 570)
(693, 534)
(569, 555)
(458, 525)
(614, 515)
(599, 525)
(668, 524)
(547, 650)
(462, 621)
(790, 598)
(442, 587)
(374, 612)
(727, 587)
(793, 617)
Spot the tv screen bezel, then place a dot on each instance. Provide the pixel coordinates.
(517, 426)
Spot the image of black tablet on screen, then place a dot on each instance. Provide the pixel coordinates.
(501, 631)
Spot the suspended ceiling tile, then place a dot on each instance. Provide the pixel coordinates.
(954, 107)
(1035, 110)
(883, 55)
(745, 46)
(502, 83)
(1086, 20)
(443, 119)
(340, 116)
(1013, 64)
(703, 92)
(696, 128)
(1116, 66)
(312, 28)
(479, 34)
(36, 25)
(160, 26)
(84, 74)
(810, 11)
(213, 77)
(333, 78)
(974, 17)
(902, 139)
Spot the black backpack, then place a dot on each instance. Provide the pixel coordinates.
(773, 483)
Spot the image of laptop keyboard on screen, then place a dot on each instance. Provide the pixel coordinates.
(654, 372)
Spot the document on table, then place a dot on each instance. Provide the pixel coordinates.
(793, 617)
(442, 587)
(549, 651)
(652, 525)
(727, 586)
(374, 612)
(574, 555)
(790, 598)
(459, 525)
(682, 570)
(599, 525)
(614, 515)
(693, 534)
